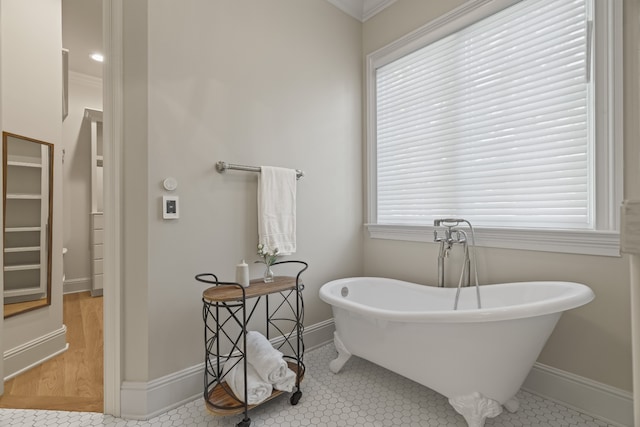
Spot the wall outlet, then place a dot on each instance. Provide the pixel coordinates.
(170, 207)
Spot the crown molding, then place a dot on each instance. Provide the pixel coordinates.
(373, 7)
(361, 9)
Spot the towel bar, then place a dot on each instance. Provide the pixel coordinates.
(223, 166)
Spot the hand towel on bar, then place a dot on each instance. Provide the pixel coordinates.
(287, 383)
(277, 209)
(267, 361)
(257, 389)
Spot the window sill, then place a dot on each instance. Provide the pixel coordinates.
(602, 243)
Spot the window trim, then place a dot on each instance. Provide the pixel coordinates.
(607, 60)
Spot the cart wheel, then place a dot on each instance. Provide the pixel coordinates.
(295, 397)
(244, 423)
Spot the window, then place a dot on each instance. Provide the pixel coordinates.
(497, 114)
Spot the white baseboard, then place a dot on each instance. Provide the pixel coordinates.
(141, 401)
(315, 335)
(144, 400)
(610, 404)
(31, 354)
(72, 286)
(319, 334)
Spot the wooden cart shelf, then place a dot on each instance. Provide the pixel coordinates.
(222, 402)
(256, 288)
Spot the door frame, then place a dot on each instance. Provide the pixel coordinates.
(1, 245)
(112, 34)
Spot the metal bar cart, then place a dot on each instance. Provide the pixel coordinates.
(227, 310)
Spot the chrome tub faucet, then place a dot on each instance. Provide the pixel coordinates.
(452, 235)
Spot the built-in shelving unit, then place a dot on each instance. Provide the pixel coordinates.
(96, 232)
(27, 189)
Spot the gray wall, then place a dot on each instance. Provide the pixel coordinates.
(593, 341)
(258, 83)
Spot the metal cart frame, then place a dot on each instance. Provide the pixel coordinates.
(227, 310)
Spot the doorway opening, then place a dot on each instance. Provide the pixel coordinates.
(74, 380)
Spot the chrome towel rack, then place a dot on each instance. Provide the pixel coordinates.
(223, 166)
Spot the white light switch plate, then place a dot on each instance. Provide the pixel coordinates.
(170, 207)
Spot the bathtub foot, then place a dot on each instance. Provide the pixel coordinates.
(343, 355)
(475, 408)
(512, 405)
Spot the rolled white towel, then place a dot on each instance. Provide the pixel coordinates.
(267, 361)
(287, 383)
(257, 389)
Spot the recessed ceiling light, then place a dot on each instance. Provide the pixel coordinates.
(97, 57)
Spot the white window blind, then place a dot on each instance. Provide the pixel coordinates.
(491, 123)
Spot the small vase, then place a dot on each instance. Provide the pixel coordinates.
(268, 274)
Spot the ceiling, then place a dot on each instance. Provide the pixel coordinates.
(82, 28)
(82, 34)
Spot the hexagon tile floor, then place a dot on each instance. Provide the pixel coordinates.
(362, 394)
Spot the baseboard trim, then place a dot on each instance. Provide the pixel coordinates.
(73, 286)
(315, 335)
(141, 401)
(610, 404)
(144, 400)
(35, 352)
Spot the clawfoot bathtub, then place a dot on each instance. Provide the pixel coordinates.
(478, 358)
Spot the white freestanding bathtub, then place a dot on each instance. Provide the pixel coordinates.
(478, 358)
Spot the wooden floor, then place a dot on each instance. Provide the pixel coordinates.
(72, 381)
